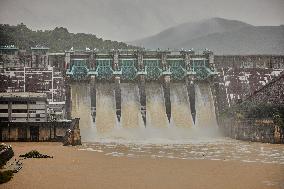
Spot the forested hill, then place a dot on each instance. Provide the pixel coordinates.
(57, 40)
(220, 35)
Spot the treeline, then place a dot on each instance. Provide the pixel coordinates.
(251, 110)
(57, 40)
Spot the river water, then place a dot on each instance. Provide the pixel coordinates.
(179, 139)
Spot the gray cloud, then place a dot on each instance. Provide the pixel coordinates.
(127, 20)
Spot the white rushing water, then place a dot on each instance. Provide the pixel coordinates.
(81, 104)
(204, 105)
(131, 128)
(155, 106)
(106, 119)
(131, 116)
(180, 106)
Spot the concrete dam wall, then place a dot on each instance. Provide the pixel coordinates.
(240, 76)
(177, 91)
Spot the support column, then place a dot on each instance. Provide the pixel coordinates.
(167, 95)
(164, 61)
(187, 62)
(28, 111)
(142, 95)
(118, 97)
(93, 61)
(210, 57)
(10, 111)
(45, 111)
(115, 61)
(93, 97)
(141, 85)
(191, 95)
(140, 61)
(68, 100)
(116, 69)
(33, 58)
(28, 133)
(67, 61)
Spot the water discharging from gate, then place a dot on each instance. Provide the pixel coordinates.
(81, 104)
(131, 127)
(131, 116)
(204, 105)
(155, 106)
(180, 107)
(105, 105)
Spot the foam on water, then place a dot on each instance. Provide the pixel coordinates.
(223, 149)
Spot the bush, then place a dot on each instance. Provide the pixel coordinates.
(35, 154)
(251, 110)
(5, 176)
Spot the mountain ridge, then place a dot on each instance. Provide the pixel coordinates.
(220, 35)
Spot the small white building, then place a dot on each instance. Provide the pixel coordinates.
(23, 107)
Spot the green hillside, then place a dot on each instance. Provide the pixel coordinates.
(57, 40)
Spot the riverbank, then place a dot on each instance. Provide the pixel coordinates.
(74, 168)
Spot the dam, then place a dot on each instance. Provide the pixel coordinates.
(144, 92)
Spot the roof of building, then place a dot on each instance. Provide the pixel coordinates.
(9, 47)
(39, 48)
(22, 95)
(56, 54)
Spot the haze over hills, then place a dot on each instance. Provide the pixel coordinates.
(222, 36)
(129, 20)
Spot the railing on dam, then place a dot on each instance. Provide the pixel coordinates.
(151, 65)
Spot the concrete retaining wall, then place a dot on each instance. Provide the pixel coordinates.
(44, 131)
(253, 130)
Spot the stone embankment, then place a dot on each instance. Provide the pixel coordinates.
(253, 130)
(6, 153)
(72, 136)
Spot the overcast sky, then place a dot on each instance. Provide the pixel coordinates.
(127, 20)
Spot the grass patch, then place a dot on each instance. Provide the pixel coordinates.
(35, 154)
(5, 176)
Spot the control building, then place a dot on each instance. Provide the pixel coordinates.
(23, 107)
